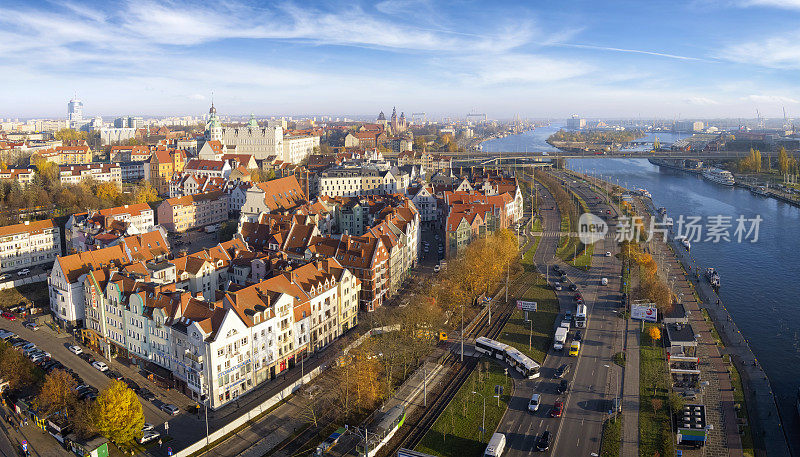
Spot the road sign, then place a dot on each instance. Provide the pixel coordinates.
(526, 305)
(166, 427)
(25, 445)
(498, 389)
(169, 451)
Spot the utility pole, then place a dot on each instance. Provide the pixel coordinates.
(462, 333)
(425, 385)
(530, 337)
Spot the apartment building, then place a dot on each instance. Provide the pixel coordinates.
(426, 203)
(70, 154)
(183, 184)
(65, 282)
(208, 168)
(129, 154)
(100, 172)
(22, 176)
(180, 214)
(277, 195)
(163, 164)
(370, 179)
(99, 229)
(29, 244)
(297, 147)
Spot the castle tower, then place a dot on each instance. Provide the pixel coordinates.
(213, 126)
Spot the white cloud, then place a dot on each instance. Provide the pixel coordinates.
(521, 68)
(785, 4)
(198, 97)
(770, 99)
(630, 51)
(701, 101)
(776, 52)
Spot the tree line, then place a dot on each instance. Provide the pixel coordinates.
(116, 413)
(651, 286)
(597, 136)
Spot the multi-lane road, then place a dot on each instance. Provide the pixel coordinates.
(595, 380)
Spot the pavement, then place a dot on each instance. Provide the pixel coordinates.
(675, 261)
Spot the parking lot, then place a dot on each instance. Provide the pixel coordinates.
(62, 350)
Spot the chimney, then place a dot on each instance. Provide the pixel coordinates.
(199, 296)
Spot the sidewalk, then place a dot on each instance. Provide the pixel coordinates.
(630, 395)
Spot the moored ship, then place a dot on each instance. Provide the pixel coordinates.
(719, 176)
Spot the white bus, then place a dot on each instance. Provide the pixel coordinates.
(519, 361)
(496, 446)
(580, 316)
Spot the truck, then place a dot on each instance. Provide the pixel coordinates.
(561, 338)
(211, 228)
(580, 316)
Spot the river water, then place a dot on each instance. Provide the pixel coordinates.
(760, 281)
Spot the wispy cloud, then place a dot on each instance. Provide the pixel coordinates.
(785, 4)
(770, 99)
(630, 51)
(775, 52)
(701, 101)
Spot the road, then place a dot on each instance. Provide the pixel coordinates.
(595, 379)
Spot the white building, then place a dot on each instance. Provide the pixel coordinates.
(298, 147)
(29, 244)
(101, 172)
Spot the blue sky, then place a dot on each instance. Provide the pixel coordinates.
(667, 59)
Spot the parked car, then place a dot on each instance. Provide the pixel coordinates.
(113, 374)
(23, 272)
(31, 325)
(170, 409)
(563, 369)
(148, 436)
(573, 287)
(563, 386)
(436, 268)
(75, 350)
(100, 366)
(577, 336)
(557, 285)
(543, 442)
(147, 395)
(132, 385)
(148, 427)
(558, 408)
(5, 277)
(9, 316)
(608, 253)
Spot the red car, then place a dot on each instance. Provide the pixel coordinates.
(9, 316)
(557, 409)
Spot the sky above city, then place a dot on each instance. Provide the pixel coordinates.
(537, 59)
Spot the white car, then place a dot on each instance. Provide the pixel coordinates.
(23, 272)
(147, 427)
(608, 253)
(436, 268)
(533, 404)
(100, 366)
(557, 286)
(149, 435)
(604, 281)
(76, 350)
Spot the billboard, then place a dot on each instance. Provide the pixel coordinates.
(644, 311)
(526, 305)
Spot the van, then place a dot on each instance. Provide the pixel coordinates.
(533, 404)
(575, 349)
(496, 446)
(604, 281)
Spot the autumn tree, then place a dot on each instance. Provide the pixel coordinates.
(118, 413)
(144, 192)
(783, 161)
(15, 368)
(84, 420)
(57, 394)
(654, 333)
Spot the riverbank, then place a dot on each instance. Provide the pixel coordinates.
(750, 184)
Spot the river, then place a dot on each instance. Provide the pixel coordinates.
(760, 285)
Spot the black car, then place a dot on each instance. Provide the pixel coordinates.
(563, 386)
(147, 395)
(577, 336)
(556, 269)
(543, 442)
(573, 287)
(114, 375)
(563, 369)
(132, 385)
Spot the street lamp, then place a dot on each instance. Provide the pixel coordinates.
(483, 421)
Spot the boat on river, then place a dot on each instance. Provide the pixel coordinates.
(719, 176)
(713, 277)
(762, 191)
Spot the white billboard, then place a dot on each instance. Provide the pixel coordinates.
(644, 311)
(526, 305)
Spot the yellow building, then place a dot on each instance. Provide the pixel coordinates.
(163, 164)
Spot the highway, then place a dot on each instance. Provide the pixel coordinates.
(595, 380)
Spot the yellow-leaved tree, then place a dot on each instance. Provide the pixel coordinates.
(655, 334)
(118, 413)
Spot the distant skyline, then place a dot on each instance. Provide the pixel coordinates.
(682, 59)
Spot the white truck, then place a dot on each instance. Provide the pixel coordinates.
(561, 338)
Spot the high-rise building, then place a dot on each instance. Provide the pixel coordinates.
(575, 122)
(75, 111)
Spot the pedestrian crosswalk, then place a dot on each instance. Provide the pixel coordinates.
(558, 234)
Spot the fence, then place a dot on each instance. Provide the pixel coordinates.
(27, 280)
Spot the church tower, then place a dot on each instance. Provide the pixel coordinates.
(213, 126)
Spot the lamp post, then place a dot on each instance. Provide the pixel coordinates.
(483, 420)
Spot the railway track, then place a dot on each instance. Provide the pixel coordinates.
(481, 328)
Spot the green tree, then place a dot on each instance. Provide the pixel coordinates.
(118, 413)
